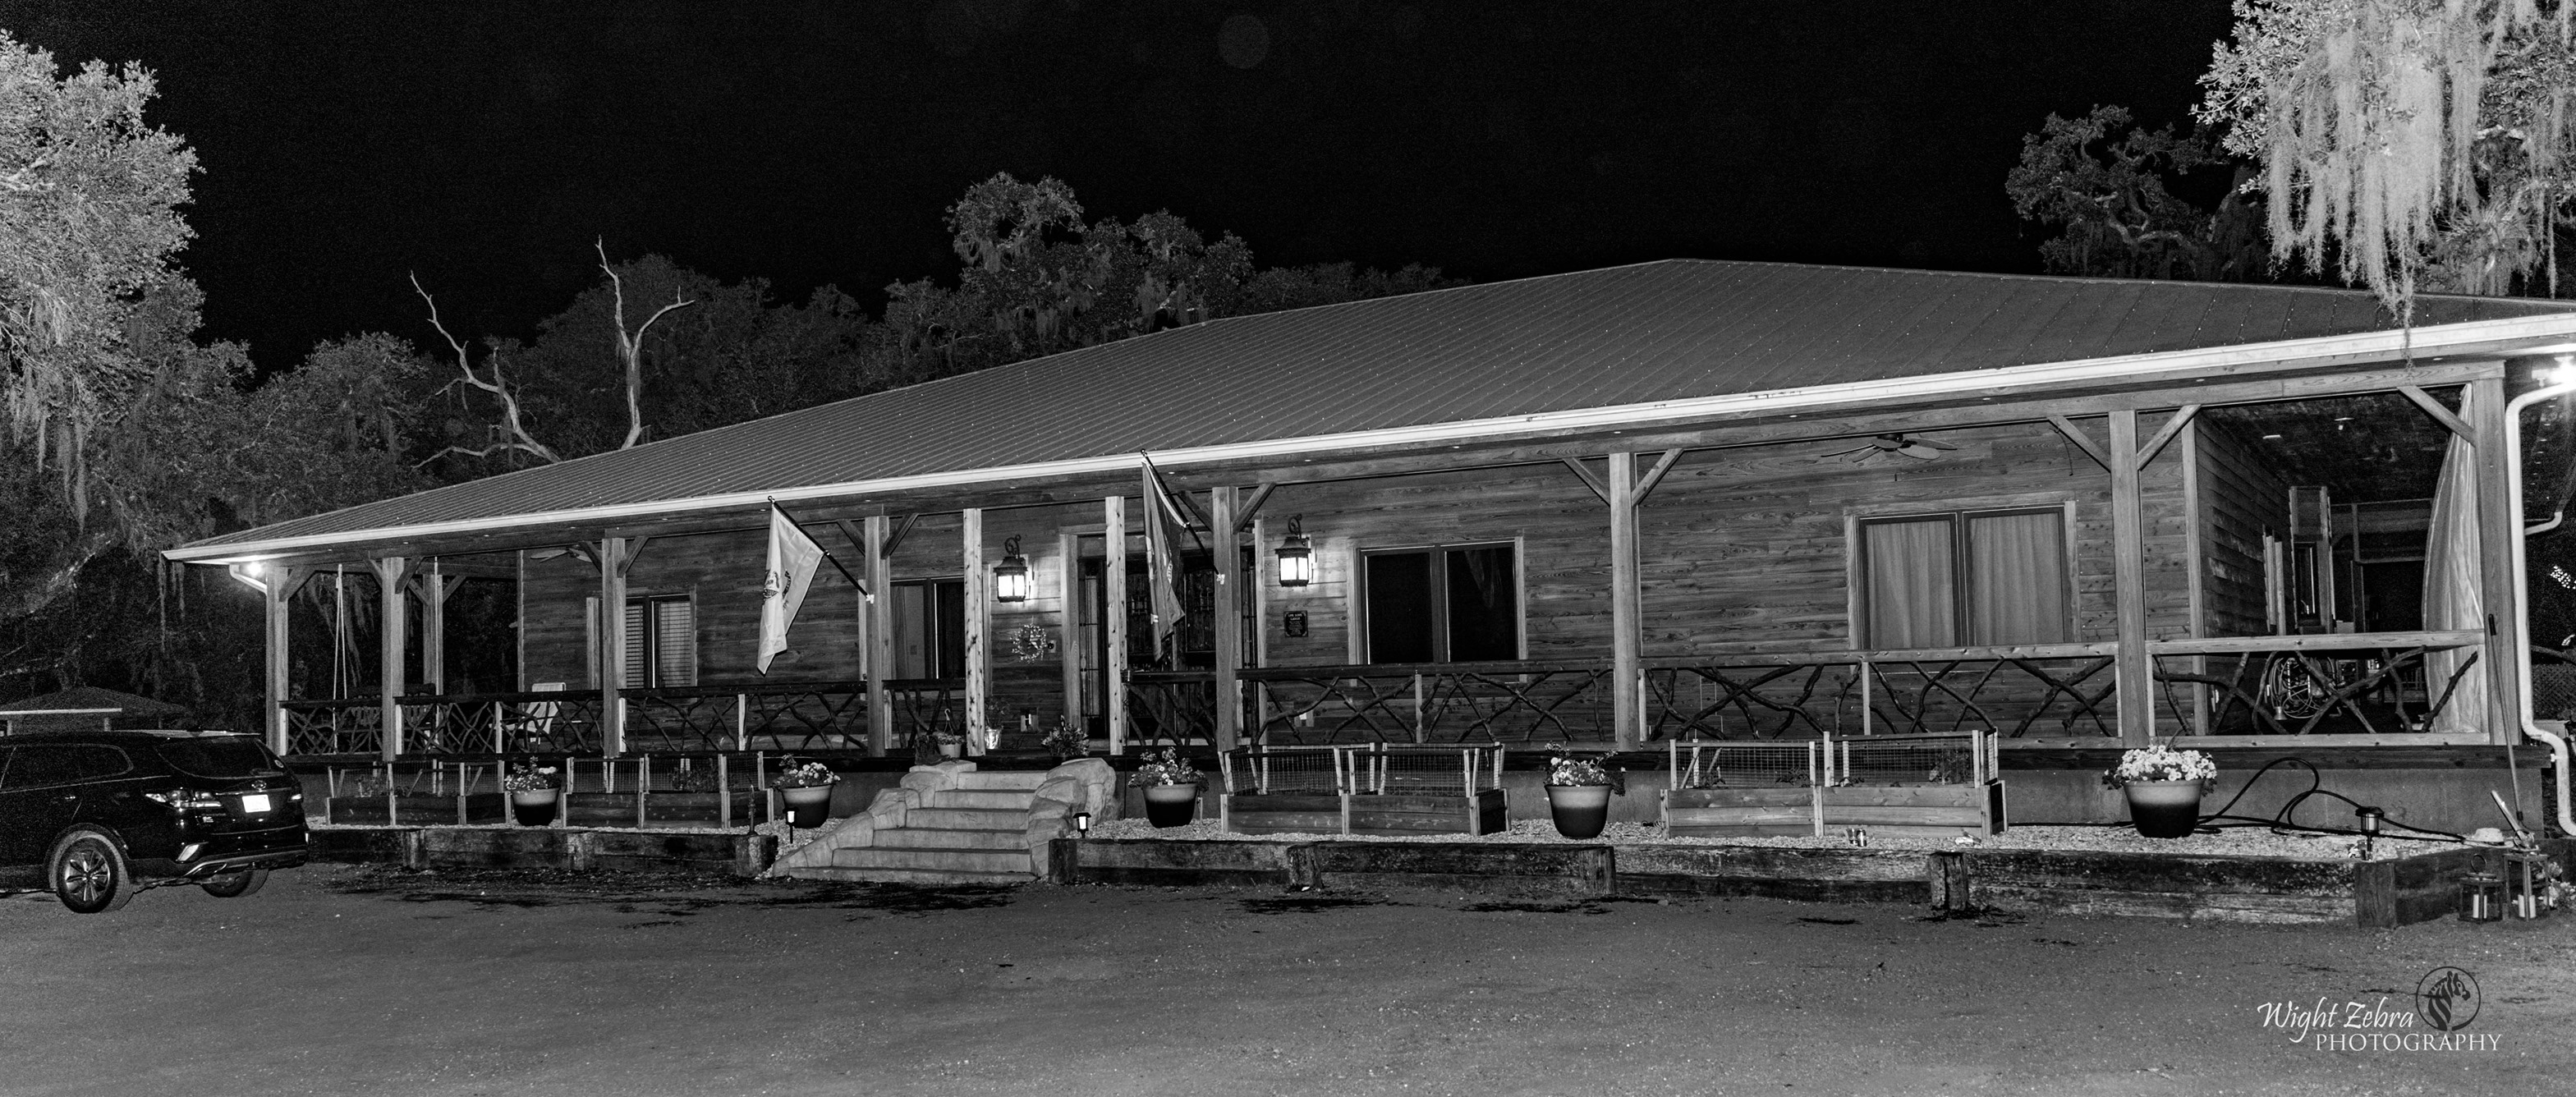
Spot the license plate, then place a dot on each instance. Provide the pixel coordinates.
(254, 805)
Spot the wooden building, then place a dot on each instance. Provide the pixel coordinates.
(1682, 499)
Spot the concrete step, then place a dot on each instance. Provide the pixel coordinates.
(942, 860)
(966, 818)
(909, 876)
(1021, 779)
(916, 838)
(997, 799)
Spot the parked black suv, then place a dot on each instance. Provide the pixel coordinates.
(99, 815)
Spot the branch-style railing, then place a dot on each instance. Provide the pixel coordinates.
(1171, 705)
(1515, 701)
(752, 716)
(2371, 683)
(2015, 691)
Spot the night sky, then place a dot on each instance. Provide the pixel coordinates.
(485, 144)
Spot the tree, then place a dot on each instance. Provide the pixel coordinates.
(2411, 144)
(2102, 182)
(89, 197)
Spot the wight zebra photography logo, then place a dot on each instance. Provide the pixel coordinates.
(2446, 1001)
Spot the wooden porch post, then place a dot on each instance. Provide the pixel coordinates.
(1068, 624)
(879, 638)
(278, 586)
(1625, 711)
(389, 652)
(1113, 568)
(2132, 669)
(2495, 561)
(612, 646)
(1229, 618)
(979, 612)
(434, 592)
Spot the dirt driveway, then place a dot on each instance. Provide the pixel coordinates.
(341, 980)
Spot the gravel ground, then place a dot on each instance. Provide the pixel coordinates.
(366, 980)
(2236, 841)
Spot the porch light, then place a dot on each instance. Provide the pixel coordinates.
(1011, 576)
(1082, 823)
(1296, 558)
(250, 573)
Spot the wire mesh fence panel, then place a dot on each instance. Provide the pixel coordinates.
(1395, 770)
(1913, 759)
(1745, 765)
(1281, 770)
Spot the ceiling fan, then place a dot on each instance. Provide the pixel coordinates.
(1921, 449)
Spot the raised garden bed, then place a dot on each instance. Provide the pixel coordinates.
(566, 848)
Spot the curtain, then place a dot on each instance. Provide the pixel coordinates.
(2451, 585)
(1912, 602)
(2017, 578)
(675, 642)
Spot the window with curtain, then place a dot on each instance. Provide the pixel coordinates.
(661, 640)
(1965, 579)
(930, 628)
(1442, 604)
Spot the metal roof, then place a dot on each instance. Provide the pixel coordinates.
(1666, 330)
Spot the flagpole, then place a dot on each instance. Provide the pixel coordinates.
(827, 553)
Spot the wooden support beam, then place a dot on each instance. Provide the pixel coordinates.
(1654, 476)
(894, 540)
(2439, 413)
(1251, 508)
(1589, 478)
(1113, 672)
(2497, 574)
(611, 554)
(979, 624)
(877, 633)
(389, 572)
(1625, 637)
(2181, 418)
(1229, 619)
(273, 595)
(2134, 669)
(435, 588)
(1068, 623)
(2082, 440)
(634, 551)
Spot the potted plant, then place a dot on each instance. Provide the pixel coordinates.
(951, 743)
(2164, 787)
(535, 792)
(807, 790)
(1578, 793)
(1171, 786)
(1066, 742)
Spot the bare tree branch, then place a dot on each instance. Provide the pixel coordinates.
(516, 436)
(630, 349)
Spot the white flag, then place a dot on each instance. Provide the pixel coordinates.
(792, 559)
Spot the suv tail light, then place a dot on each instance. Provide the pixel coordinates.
(186, 800)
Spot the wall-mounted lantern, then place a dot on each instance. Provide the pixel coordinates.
(1011, 576)
(1296, 558)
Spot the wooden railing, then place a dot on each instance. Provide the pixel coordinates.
(761, 716)
(2370, 683)
(2015, 691)
(1517, 701)
(1171, 705)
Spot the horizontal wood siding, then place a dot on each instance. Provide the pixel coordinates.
(2241, 499)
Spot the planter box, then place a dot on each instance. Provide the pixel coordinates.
(415, 809)
(1382, 813)
(1927, 811)
(1772, 872)
(1283, 813)
(1764, 812)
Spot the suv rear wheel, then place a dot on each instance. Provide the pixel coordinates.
(234, 885)
(89, 873)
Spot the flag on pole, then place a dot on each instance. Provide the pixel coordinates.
(793, 556)
(1162, 561)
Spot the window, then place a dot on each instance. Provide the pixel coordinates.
(1968, 579)
(930, 629)
(661, 641)
(1442, 604)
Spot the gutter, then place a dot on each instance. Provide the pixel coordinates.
(2557, 743)
(2482, 336)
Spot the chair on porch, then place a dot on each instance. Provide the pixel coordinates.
(533, 728)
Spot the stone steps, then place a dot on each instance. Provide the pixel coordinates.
(1010, 780)
(952, 824)
(986, 799)
(911, 876)
(966, 818)
(914, 859)
(935, 838)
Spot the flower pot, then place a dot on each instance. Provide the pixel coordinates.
(1171, 805)
(808, 806)
(534, 807)
(1580, 810)
(2164, 809)
(951, 750)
